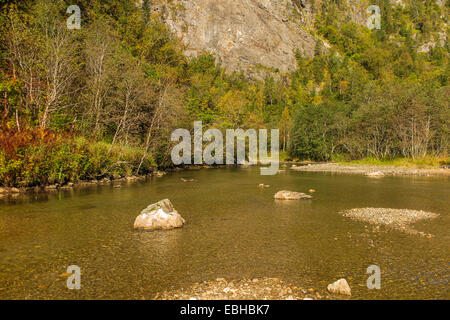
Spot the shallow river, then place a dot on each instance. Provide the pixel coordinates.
(234, 230)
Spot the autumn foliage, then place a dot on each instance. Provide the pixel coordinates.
(34, 157)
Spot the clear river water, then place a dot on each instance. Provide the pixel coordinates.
(234, 230)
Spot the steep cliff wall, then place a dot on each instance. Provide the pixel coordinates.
(243, 33)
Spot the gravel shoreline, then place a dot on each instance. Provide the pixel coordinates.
(367, 169)
(245, 289)
(397, 219)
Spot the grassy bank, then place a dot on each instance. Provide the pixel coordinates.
(38, 158)
(429, 162)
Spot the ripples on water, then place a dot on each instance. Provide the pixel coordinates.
(235, 230)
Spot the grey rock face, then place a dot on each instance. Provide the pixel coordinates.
(257, 36)
(243, 33)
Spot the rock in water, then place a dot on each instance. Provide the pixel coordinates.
(340, 287)
(159, 174)
(291, 195)
(375, 174)
(160, 215)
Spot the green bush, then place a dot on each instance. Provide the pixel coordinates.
(70, 160)
(317, 131)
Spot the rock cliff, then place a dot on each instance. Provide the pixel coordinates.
(257, 36)
(244, 34)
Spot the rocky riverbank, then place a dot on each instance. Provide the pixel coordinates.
(79, 184)
(245, 289)
(372, 170)
(117, 182)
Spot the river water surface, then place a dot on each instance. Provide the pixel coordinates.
(234, 230)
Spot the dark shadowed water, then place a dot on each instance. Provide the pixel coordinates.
(235, 230)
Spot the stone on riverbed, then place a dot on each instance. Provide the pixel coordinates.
(9, 190)
(160, 215)
(159, 174)
(340, 287)
(291, 195)
(375, 174)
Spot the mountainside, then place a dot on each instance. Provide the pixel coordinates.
(250, 34)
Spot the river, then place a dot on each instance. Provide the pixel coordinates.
(234, 230)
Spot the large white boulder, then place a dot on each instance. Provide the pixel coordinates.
(160, 215)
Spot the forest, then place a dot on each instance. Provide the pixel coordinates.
(104, 99)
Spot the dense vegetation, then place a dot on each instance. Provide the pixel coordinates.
(373, 94)
(103, 100)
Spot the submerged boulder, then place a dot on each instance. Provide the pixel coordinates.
(159, 174)
(375, 174)
(160, 215)
(340, 287)
(291, 195)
